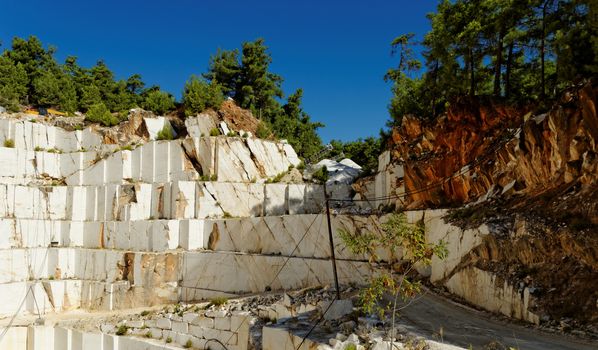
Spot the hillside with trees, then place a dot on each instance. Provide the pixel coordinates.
(523, 52)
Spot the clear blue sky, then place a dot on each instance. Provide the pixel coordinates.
(337, 51)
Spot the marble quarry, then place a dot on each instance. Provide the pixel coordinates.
(93, 227)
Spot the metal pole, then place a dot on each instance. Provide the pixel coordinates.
(332, 255)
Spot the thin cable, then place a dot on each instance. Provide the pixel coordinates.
(464, 169)
(279, 271)
(317, 323)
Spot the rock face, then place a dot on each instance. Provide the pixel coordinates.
(481, 147)
(525, 243)
(92, 221)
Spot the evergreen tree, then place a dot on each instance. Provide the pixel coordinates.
(225, 69)
(257, 88)
(13, 83)
(200, 95)
(158, 102)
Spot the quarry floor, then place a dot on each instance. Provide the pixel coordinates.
(463, 326)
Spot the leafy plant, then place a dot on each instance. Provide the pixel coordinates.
(321, 175)
(218, 301)
(169, 340)
(199, 95)
(122, 330)
(158, 101)
(188, 344)
(263, 131)
(165, 133)
(214, 132)
(9, 143)
(394, 277)
(99, 113)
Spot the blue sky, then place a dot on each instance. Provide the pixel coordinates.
(337, 51)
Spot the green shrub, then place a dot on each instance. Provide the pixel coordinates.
(158, 102)
(218, 301)
(148, 334)
(145, 313)
(169, 340)
(199, 95)
(165, 133)
(122, 330)
(9, 143)
(99, 113)
(321, 175)
(301, 166)
(188, 344)
(214, 132)
(245, 135)
(214, 177)
(38, 149)
(350, 347)
(263, 131)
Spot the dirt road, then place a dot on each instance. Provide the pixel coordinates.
(465, 327)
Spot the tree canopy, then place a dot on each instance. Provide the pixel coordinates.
(30, 74)
(246, 77)
(524, 51)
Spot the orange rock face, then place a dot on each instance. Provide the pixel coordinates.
(480, 145)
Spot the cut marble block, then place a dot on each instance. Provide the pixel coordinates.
(272, 157)
(200, 125)
(158, 161)
(237, 199)
(21, 166)
(276, 200)
(235, 159)
(192, 234)
(173, 200)
(28, 135)
(157, 124)
(205, 273)
(299, 235)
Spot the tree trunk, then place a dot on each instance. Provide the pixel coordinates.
(435, 88)
(542, 50)
(498, 66)
(472, 73)
(508, 73)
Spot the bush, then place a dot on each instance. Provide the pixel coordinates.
(218, 301)
(158, 102)
(169, 340)
(9, 143)
(199, 95)
(188, 344)
(214, 132)
(321, 175)
(122, 330)
(165, 133)
(99, 113)
(263, 131)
